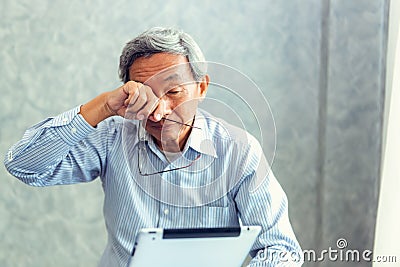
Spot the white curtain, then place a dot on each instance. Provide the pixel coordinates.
(387, 231)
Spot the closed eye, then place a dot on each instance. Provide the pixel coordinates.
(174, 92)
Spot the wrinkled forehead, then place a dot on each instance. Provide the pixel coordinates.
(172, 76)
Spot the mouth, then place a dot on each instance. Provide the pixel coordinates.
(160, 125)
(166, 123)
(183, 124)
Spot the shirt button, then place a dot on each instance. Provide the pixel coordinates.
(166, 211)
(65, 120)
(82, 144)
(73, 130)
(10, 155)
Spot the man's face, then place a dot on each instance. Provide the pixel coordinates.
(177, 90)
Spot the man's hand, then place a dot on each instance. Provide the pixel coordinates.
(132, 100)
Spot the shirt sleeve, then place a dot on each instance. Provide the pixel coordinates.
(60, 150)
(261, 201)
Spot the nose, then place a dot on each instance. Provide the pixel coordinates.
(163, 110)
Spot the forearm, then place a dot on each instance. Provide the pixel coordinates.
(46, 147)
(96, 110)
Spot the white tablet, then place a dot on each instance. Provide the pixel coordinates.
(197, 247)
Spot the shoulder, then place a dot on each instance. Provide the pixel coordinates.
(222, 131)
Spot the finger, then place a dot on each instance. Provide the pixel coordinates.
(139, 103)
(152, 103)
(133, 90)
(122, 112)
(137, 96)
(132, 99)
(145, 102)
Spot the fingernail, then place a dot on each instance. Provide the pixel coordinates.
(158, 117)
(140, 117)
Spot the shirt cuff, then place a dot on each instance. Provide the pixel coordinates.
(71, 126)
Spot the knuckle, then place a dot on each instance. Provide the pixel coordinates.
(130, 84)
(147, 110)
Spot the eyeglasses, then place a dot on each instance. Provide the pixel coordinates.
(142, 151)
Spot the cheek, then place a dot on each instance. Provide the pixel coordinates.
(185, 107)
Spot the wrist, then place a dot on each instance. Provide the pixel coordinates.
(107, 110)
(96, 110)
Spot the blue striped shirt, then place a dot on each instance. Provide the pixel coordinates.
(227, 184)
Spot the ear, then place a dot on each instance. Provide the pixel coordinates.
(203, 86)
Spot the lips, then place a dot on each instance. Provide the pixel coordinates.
(161, 126)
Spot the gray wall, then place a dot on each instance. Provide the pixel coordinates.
(319, 63)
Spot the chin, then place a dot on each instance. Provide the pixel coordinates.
(164, 136)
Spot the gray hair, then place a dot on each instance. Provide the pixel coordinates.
(158, 40)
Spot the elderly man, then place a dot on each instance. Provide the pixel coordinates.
(167, 164)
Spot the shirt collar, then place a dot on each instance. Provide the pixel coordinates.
(201, 139)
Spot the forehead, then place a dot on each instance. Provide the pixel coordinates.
(168, 64)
